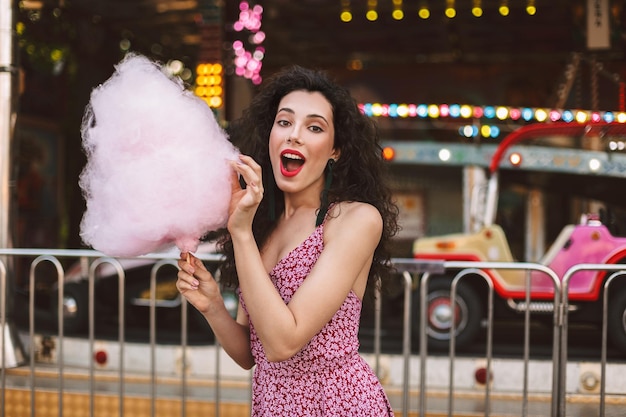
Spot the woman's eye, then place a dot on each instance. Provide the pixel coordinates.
(316, 129)
(282, 123)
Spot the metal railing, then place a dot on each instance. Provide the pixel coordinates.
(415, 274)
(95, 260)
(618, 272)
(466, 269)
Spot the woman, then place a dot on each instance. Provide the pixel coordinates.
(306, 236)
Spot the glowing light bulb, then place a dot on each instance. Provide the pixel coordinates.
(477, 9)
(595, 164)
(504, 8)
(397, 14)
(466, 111)
(433, 111)
(444, 154)
(581, 117)
(371, 15)
(541, 115)
(450, 11)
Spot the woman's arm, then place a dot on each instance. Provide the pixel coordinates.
(351, 235)
(197, 285)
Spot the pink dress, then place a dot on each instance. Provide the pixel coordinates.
(327, 377)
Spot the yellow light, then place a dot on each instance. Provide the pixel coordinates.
(397, 13)
(433, 110)
(209, 84)
(424, 13)
(466, 111)
(621, 117)
(346, 14)
(56, 55)
(541, 115)
(531, 9)
(203, 69)
(581, 117)
(200, 91)
(485, 131)
(371, 14)
(403, 110)
(217, 69)
(477, 8)
(450, 10)
(377, 109)
(502, 113)
(214, 91)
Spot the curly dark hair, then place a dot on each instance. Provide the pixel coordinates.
(358, 174)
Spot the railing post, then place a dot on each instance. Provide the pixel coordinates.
(406, 341)
(12, 350)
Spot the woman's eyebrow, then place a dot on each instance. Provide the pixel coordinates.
(319, 116)
(310, 116)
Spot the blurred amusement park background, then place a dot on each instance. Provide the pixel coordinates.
(464, 72)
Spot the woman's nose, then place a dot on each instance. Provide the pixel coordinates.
(294, 137)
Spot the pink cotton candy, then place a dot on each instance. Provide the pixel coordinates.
(157, 172)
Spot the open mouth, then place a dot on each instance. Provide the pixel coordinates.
(291, 163)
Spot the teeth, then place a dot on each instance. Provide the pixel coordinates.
(292, 156)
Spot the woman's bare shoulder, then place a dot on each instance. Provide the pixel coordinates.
(349, 213)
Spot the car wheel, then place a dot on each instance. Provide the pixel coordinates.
(467, 313)
(616, 321)
(75, 306)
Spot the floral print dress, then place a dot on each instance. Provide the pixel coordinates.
(327, 377)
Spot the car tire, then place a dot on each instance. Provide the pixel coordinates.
(616, 321)
(469, 313)
(75, 309)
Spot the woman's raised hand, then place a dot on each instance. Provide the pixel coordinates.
(244, 202)
(197, 284)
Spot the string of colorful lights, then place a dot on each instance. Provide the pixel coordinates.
(490, 114)
(503, 113)
(423, 10)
